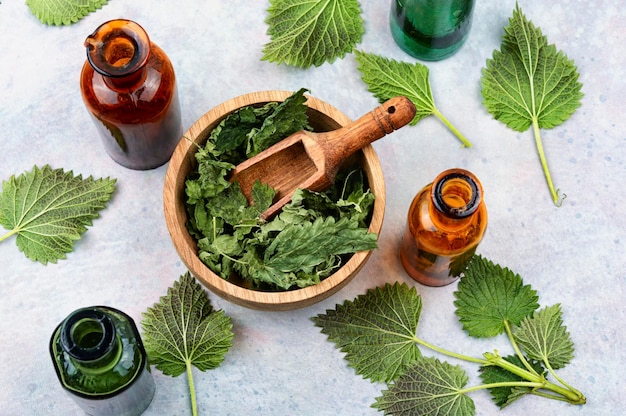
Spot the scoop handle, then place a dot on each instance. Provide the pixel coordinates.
(384, 119)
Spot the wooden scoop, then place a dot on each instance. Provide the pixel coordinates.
(311, 160)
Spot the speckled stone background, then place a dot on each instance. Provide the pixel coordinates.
(280, 364)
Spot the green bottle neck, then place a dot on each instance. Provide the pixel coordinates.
(90, 339)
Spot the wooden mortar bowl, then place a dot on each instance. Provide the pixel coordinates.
(322, 117)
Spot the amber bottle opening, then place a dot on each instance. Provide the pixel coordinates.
(456, 194)
(118, 48)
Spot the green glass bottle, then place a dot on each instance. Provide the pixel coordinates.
(431, 30)
(101, 362)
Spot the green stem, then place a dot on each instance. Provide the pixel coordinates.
(497, 360)
(560, 380)
(530, 375)
(573, 396)
(544, 164)
(9, 234)
(451, 353)
(192, 390)
(192, 142)
(457, 133)
(534, 386)
(530, 384)
(509, 333)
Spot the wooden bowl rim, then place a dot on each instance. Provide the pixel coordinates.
(175, 214)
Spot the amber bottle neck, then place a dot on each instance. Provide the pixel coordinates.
(456, 193)
(119, 50)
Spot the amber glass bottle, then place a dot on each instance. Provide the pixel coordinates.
(446, 221)
(129, 87)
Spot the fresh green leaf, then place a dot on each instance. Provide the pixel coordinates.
(387, 78)
(49, 209)
(488, 296)
(528, 80)
(529, 83)
(428, 388)
(376, 330)
(306, 33)
(183, 330)
(506, 394)
(377, 333)
(544, 337)
(63, 12)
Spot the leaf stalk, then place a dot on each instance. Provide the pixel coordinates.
(554, 193)
(451, 353)
(192, 389)
(533, 379)
(9, 234)
(516, 348)
(573, 396)
(465, 142)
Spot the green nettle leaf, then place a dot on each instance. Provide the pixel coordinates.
(376, 330)
(428, 388)
(63, 12)
(387, 78)
(489, 297)
(183, 330)
(544, 337)
(49, 209)
(308, 33)
(529, 83)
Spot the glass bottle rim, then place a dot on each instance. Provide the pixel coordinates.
(472, 203)
(88, 316)
(101, 41)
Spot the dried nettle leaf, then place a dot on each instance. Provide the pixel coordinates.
(307, 241)
(63, 12)
(183, 330)
(48, 209)
(528, 83)
(306, 33)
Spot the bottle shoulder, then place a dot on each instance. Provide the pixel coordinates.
(439, 234)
